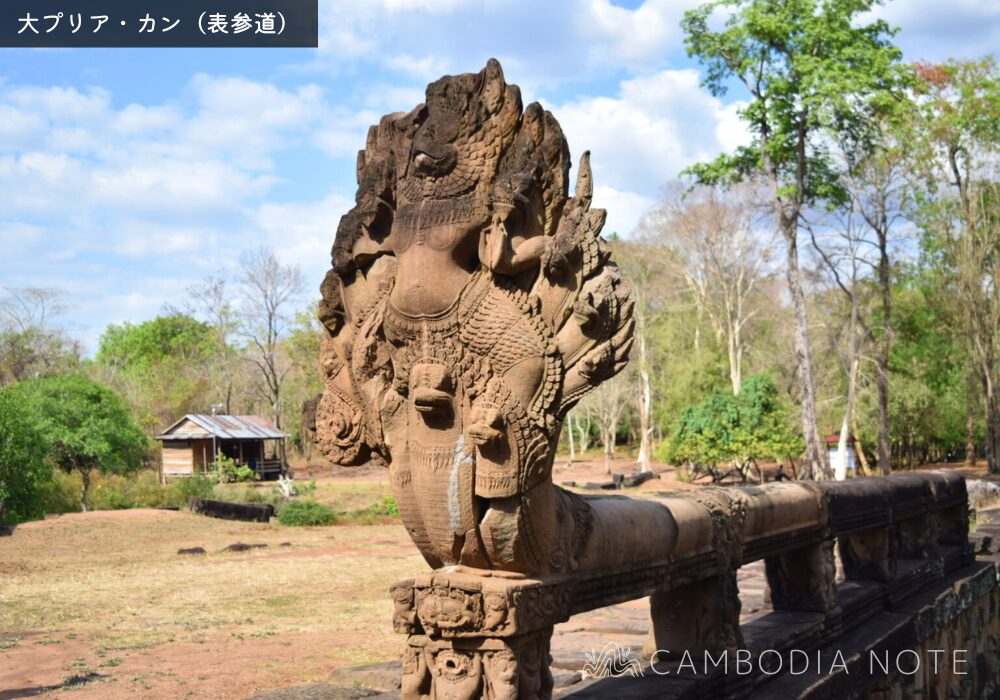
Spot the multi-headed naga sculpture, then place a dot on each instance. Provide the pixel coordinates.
(471, 304)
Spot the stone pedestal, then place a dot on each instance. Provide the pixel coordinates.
(478, 634)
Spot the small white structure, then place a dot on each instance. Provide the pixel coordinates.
(833, 451)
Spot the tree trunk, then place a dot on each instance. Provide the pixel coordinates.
(85, 477)
(970, 423)
(569, 434)
(815, 465)
(584, 425)
(609, 447)
(735, 345)
(859, 452)
(645, 406)
(992, 423)
(882, 359)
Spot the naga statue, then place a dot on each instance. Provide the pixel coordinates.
(471, 304)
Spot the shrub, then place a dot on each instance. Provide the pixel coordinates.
(24, 474)
(380, 510)
(306, 513)
(229, 472)
(61, 494)
(180, 491)
(115, 492)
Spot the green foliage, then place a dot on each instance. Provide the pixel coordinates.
(161, 367)
(23, 471)
(180, 491)
(228, 472)
(140, 490)
(728, 428)
(378, 511)
(82, 425)
(812, 70)
(138, 347)
(299, 513)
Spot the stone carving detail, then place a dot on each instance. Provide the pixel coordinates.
(492, 669)
(470, 305)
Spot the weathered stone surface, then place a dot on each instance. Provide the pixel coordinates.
(250, 512)
(471, 303)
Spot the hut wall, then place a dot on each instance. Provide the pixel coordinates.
(177, 459)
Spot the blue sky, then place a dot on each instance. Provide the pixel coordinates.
(128, 174)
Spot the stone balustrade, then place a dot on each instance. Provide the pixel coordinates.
(483, 633)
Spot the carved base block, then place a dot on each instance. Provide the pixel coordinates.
(470, 667)
(698, 617)
(803, 580)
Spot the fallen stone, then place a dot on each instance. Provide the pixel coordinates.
(639, 478)
(249, 512)
(383, 677)
(563, 679)
(243, 547)
(285, 544)
(193, 551)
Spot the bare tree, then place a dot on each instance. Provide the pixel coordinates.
(875, 180)
(723, 245)
(645, 264)
(268, 289)
(210, 301)
(843, 255)
(607, 404)
(30, 343)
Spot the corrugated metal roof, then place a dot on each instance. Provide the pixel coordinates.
(228, 427)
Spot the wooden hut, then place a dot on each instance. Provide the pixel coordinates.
(191, 445)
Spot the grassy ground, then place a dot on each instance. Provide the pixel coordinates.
(104, 601)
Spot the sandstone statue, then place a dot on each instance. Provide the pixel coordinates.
(471, 304)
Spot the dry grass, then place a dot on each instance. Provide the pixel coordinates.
(115, 581)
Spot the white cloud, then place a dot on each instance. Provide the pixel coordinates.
(302, 233)
(544, 44)
(625, 209)
(655, 127)
(934, 30)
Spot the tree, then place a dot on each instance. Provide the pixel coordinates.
(607, 404)
(267, 290)
(643, 263)
(844, 259)
(160, 366)
(737, 429)
(30, 344)
(878, 191)
(22, 469)
(82, 426)
(954, 138)
(812, 72)
(209, 300)
(722, 250)
(302, 347)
